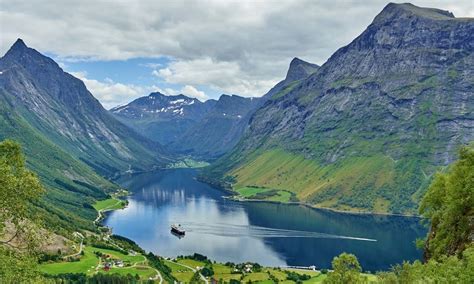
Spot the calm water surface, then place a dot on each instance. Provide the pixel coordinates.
(270, 234)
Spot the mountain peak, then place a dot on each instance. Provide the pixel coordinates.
(300, 69)
(18, 47)
(19, 44)
(156, 94)
(393, 11)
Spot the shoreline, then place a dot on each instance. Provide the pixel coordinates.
(309, 206)
(233, 195)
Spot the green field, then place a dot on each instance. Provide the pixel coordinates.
(89, 262)
(109, 204)
(118, 255)
(263, 193)
(144, 272)
(180, 272)
(223, 272)
(191, 262)
(248, 191)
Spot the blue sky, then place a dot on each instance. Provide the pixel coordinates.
(138, 72)
(126, 49)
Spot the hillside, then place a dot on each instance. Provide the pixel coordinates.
(68, 138)
(368, 129)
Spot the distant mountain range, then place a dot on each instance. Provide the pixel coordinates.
(70, 140)
(368, 129)
(219, 130)
(188, 126)
(205, 130)
(163, 118)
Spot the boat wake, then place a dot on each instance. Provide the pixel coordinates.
(229, 230)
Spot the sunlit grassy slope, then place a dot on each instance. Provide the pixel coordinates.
(109, 204)
(368, 178)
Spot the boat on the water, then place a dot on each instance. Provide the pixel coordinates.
(178, 230)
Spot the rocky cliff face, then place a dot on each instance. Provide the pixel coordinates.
(400, 96)
(163, 118)
(59, 106)
(297, 71)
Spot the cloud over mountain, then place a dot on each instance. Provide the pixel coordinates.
(238, 47)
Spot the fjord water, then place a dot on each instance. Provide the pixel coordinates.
(268, 233)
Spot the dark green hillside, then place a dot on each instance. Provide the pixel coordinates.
(66, 203)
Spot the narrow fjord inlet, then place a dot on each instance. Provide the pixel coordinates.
(267, 233)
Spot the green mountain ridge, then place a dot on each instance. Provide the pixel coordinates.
(367, 130)
(70, 140)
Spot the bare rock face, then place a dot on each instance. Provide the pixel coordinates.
(403, 89)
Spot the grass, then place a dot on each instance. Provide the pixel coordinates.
(144, 272)
(332, 185)
(223, 272)
(87, 264)
(249, 191)
(89, 261)
(118, 255)
(282, 196)
(316, 279)
(262, 193)
(191, 262)
(255, 276)
(109, 204)
(183, 274)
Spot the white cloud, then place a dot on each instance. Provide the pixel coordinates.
(190, 91)
(110, 93)
(225, 77)
(187, 90)
(249, 43)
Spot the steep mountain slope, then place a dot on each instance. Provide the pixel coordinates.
(162, 118)
(71, 185)
(64, 131)
(220, 129)
(367, 130)
(60, 107)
